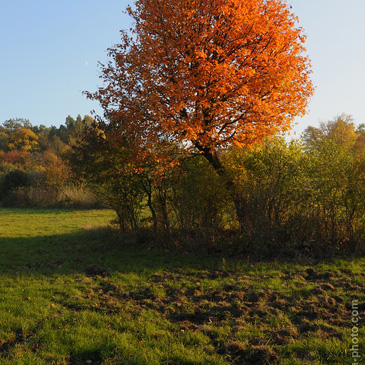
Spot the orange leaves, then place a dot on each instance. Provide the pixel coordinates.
(200, 55)
(217, 72)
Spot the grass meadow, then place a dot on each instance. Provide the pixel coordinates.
(73, 291)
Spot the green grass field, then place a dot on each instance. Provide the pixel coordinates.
(73, 292)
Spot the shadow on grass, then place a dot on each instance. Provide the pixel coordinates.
(101, 250)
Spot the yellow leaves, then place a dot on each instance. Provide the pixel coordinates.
(23, 139)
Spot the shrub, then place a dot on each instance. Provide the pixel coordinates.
(305, 194)
(199, 201)
(14, 179)
(270, 184)
(296, 197)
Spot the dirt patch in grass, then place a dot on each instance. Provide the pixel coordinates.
(208, 301)
(240, 354)
(17, 338)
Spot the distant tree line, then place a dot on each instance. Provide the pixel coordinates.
(33, 168)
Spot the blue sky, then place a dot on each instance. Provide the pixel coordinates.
(50, 51)
(336, 46)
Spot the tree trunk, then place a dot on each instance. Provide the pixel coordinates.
(163, 206)
(153, 213)
(148, 190)
(215, 162)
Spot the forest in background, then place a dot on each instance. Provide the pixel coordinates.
(304, 195)
(34, 171)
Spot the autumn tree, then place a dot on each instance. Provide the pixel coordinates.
(207, 74)
(341, 130)
(23, 139)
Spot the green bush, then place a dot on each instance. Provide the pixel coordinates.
(270, 182)
(302, 195)
(13, 180)
(199, 201)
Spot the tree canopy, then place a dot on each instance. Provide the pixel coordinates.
(207, 74)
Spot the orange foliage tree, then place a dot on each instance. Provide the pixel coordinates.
(206, 74)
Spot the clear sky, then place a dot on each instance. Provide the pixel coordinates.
(336, 46)
(50, 50)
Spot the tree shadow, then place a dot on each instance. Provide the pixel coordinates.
(101, 250)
